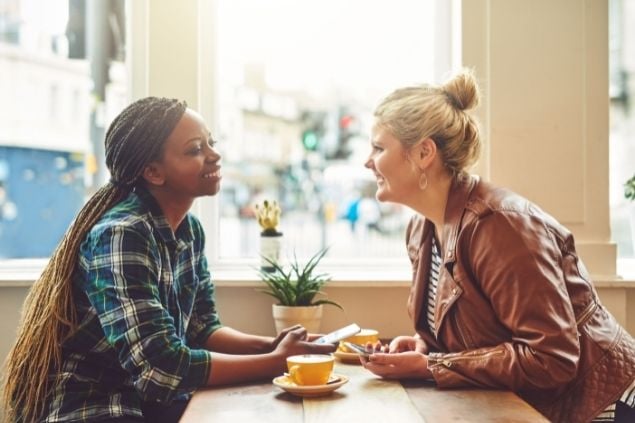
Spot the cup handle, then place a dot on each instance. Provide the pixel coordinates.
(294, 374)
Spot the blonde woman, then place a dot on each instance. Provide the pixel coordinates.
(122, 323)
(500, 298)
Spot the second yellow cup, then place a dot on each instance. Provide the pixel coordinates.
(310, 369)
(362, 337)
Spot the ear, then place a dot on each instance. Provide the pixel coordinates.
(424, 153)
(153, 174)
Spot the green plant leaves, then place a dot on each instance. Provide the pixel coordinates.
(297, 286)
(629, 189)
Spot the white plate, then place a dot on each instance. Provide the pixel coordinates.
(283, 382)
(347, 357)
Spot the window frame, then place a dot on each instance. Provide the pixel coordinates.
(208, 209)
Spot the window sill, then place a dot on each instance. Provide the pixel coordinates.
(243, 273)
(20, 272)
(383, 273)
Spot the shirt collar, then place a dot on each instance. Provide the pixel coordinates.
(460, 191)
(184, 232)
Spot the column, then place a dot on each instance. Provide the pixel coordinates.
(543, 66)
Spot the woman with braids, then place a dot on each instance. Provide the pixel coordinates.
(122, 324)
(500, 298)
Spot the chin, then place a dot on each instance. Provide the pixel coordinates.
(212, 189)
(382, 195)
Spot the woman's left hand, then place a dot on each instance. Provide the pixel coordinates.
(405, 365)
(281, 336)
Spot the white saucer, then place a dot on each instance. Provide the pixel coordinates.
(288, 385)
(347, 357)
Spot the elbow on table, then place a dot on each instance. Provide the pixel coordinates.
(555, 371)
(152, 386)
(160, 379)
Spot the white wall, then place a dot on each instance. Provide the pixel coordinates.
(382, 308)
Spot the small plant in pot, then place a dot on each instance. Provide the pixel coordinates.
(295, 288)
(629, 189)
(268, 216)
(629, 194)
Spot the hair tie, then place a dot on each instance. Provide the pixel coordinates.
(453, 101)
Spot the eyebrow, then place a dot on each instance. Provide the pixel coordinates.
(196, 138)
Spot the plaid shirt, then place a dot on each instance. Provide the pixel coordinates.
(145, 304)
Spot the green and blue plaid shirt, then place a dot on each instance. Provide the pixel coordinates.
(145, 304)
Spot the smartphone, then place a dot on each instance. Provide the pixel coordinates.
(338, 335)
(359, 349)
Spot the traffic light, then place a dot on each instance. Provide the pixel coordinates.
(347, 128)
(313, 130)
(310, 139)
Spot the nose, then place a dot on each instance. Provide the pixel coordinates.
(212, 155)
(369, 163)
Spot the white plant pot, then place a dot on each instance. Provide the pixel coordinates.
(307, 316)
(632, 222)
(270, 248)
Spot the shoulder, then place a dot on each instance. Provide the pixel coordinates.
(123, 222)
(487, 198)
(497, 209)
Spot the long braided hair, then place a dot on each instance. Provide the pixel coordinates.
(134, 139)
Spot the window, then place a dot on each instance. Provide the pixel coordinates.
(622, 128)
(297, 83)
(51, 122)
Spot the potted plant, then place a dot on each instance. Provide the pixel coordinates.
(629, 194)
(268, 215)
(295, 288)
(629, 189)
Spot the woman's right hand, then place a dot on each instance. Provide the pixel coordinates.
(295, 341)
(276, 341)
(407, 343)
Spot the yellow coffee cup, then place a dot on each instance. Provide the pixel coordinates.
(310, 369)
(361, 338)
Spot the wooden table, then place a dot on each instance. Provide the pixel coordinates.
(365, 398)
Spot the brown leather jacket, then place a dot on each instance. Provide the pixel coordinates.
(515, 307)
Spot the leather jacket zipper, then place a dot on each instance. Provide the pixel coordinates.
(461, 335)
(449, 362)
(587, 313)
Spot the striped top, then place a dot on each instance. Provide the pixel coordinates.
(628, 398)
(433, 282)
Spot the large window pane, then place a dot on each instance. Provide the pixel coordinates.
(622, 135)
(298, 81)
(55, 101)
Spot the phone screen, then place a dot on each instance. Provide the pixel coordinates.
(339, 334)
(359, 349)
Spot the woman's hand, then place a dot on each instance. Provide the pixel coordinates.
(310, 336)
(282, 334)
(294, 340)
(408, 343)
(404, 365)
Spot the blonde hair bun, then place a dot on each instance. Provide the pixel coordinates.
(462, 90)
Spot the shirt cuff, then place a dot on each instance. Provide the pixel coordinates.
(199, 370)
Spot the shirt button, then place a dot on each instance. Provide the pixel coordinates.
(449, 254)
(453, 291)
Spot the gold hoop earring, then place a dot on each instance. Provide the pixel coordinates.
(423, 181)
